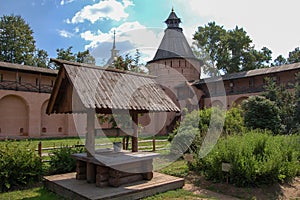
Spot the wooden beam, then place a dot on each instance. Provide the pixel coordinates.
(134, 137)
(90, 135)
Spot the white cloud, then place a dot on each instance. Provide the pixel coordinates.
(65, 33)
(106, 9)
(135, 33)
(131, 36)
(76, 29)
(269, 23)
(63, 2)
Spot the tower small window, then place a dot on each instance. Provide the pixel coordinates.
(20, 79)
(36, 81)
(52, 83)
(1, 77)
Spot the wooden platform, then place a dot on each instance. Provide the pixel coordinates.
(67, 186)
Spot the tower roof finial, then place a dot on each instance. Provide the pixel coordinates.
(173, 21)
(114, 42)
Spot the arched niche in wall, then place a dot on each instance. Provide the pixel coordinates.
(14, 114)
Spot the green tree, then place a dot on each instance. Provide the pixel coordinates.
(210, 40)
(17, 44)
(262, 113)
(229, 51)
(294, 56)
(66, 54)
(128, 63)
(297, 102)
(85, 57)
(284, 100)
(280, 60)
(41, 58)
(81, 57)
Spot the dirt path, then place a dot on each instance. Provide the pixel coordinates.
(223, 191)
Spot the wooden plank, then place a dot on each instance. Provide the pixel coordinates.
(90, 136)
(90, 173)
(69, 188)
(116, 182)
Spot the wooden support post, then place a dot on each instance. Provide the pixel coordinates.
(90, 135)
(40, 149)
(124, 145)
(90, 172)
(153, 144)
(135, 132)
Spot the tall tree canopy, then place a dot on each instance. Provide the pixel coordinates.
(294, 57)
(82, 57)
(228, 51)
(17, 44)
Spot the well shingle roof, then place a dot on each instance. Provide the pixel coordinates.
(104, 90)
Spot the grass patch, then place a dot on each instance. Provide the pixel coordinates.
(38, 193)
(178, 168)
(177, 194)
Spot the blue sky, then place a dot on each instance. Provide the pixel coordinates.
(89, 24)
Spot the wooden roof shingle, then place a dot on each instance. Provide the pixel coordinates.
(80, 87)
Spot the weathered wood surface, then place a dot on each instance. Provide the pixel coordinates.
(105, 89)
(116, 158)
(70, 188)
(126, 170)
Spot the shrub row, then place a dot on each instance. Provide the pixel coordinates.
(61, 160)
(19, 165)
(256, 158)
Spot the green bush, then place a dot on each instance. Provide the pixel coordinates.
(256, 158)
(61, 160)
(261, 113)
(19, 165)
(195, 125)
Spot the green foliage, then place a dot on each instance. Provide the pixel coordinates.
(129, 63)
(296, 119)
(61, 160)
(229, 51)
(81, 57)
(195, 125)
(19, 165)
(234, 121)
(261, 113)
(294, 57)
(256, 158)
(285, 101)
(17, 44)
(85, 57)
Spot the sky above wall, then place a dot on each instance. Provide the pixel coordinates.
(139, 24)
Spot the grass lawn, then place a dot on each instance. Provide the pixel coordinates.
(178, 168)
(41, 193)
(38, 193)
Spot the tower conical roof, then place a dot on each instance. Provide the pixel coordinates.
(174, 43)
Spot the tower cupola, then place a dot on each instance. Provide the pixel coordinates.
(173, 21)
